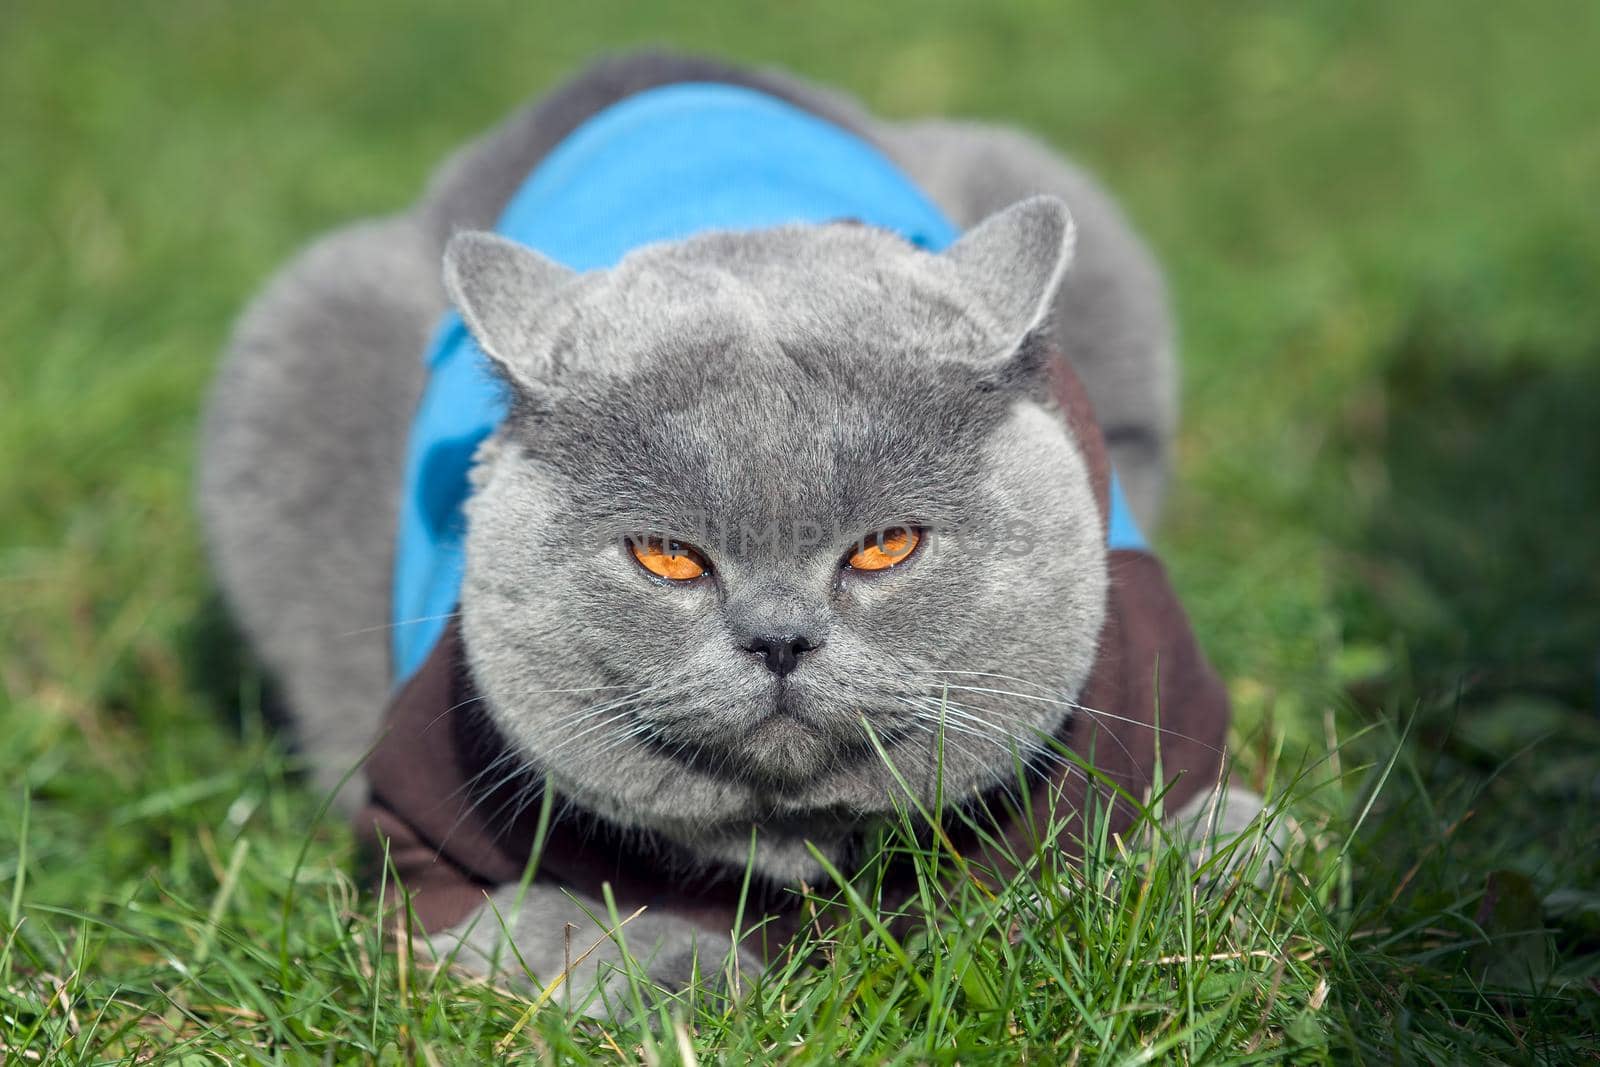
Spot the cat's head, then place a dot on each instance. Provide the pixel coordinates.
(769, 502)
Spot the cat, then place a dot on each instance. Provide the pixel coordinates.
(750, 486)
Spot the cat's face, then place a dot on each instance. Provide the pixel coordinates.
(774, 507)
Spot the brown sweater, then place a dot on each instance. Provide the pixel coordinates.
(450, 845)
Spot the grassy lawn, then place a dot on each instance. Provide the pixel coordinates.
(1381, 227)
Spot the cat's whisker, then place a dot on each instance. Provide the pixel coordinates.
(1074, 705)
(1034, 751)
(447, 712)
(603, 715)
(419, 620)
(509, 755)
(579, 689)
(591, 709)
(1039, 758)
(1029, 754)
(593, 759)
(621, 738)
(964, 714)
(967, 713)
(519, 801)
(619, 713)
(988, 674)
(946, 687)
(1032, 758)
(936, 715)
(595, 710)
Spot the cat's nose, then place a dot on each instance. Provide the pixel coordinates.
(781, 652)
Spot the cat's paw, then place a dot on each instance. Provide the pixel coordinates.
(549, 941)
(1234, 826)
(683, 959)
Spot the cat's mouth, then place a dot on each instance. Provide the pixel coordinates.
(787, 743)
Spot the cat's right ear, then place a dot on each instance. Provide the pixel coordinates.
(492, 280)
(1013, 261)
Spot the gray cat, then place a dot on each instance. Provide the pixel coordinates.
(832, 376)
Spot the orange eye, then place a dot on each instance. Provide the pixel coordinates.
(884, 549)
(669, 559)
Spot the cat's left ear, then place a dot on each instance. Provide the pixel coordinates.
(1013, 262)
(492, 280)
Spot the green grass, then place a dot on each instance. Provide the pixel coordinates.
(1380, 225)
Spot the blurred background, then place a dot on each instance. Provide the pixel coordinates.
(1381, 231)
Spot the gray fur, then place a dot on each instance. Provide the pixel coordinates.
(827, 380)
(300, 467)
(852, 403)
